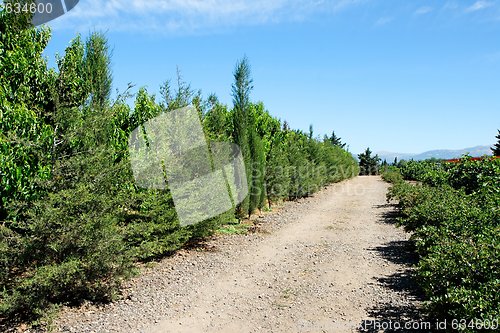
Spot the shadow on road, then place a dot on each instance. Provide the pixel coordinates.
(388, 214)
(387, 315)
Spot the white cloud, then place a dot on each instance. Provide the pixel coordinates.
(479, 5)
(191, 15)
(423, 10)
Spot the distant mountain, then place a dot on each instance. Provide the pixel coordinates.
(440, 154)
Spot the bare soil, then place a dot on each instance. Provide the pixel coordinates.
(329, 263)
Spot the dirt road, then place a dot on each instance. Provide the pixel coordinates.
(324, 264)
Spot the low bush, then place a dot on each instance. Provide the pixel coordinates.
(455, 225)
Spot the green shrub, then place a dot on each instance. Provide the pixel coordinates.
(473, 176)
(73, 250)
(456, 232)
(392, 175)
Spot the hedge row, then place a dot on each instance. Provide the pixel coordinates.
(453, 212)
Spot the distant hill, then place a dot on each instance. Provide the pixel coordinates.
(440, 153)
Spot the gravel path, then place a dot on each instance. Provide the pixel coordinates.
(323, 264)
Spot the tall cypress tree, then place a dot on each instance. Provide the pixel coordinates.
(98, 68)
(241, 89)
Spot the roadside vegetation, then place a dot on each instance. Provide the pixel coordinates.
(452, 210)
(72, 220)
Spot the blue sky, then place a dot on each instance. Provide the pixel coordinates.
(395, 75)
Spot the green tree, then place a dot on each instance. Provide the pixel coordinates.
(217, 121)
(97, 61)
(26, 110)
(335, 140)
(267, 126)
(286, 126)
(268, 130)
(277, 178)
(496, 148)
(83, 89)
(241, 89)
(257, 191)
(71, 85)
(368, 164)
(180, 96)
(58, 214)
(300, 165)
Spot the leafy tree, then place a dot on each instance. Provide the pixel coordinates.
(368, 164)
(496, 148)
(58, 210)
(217, 121)
(26, 109)
(267, 126)
(245, 134)
(71, 85)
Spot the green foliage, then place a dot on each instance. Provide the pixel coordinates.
(71, 85)
(432, 172)
(98, 78)
(266, 126)
(392, 174)
(334, 140)
(74, 250)
(257, 192)
(476, 175)
(368, 164)
(182, 96)
(258, 161)
(26, 106)
(72, 220)
(496, 148)
(277, 177)
(241, 100)
(300, 167)
(234, 229)
(217, 122)
(455, 221)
